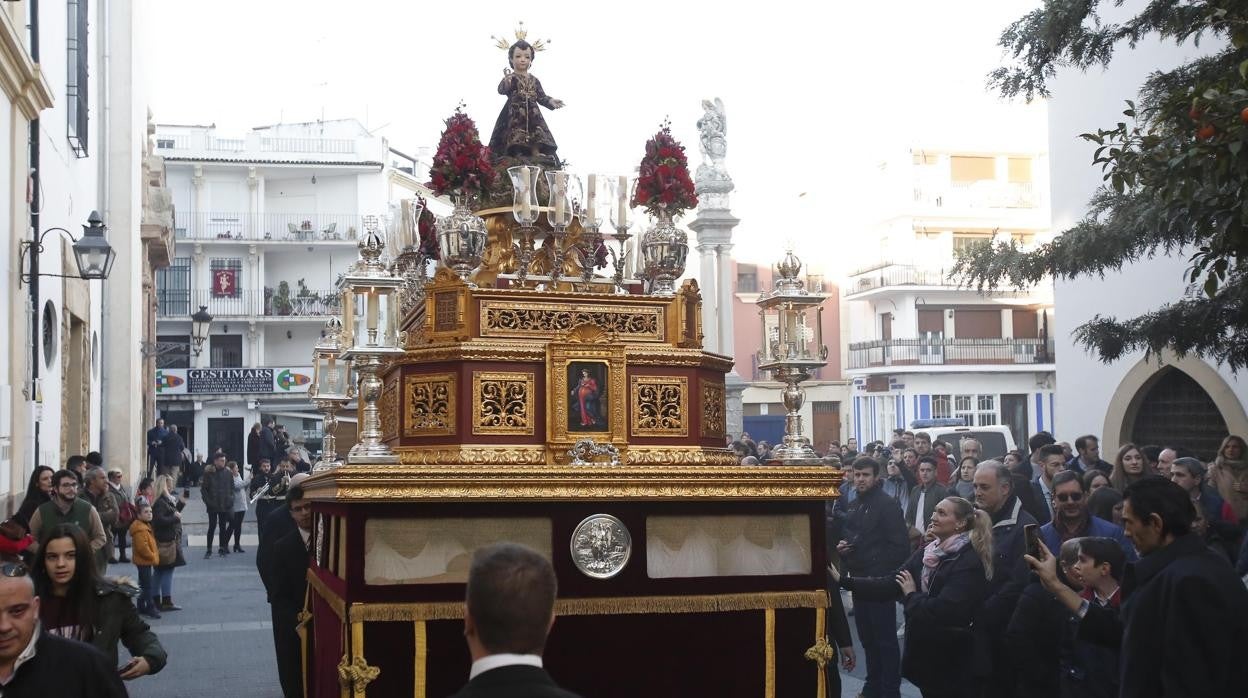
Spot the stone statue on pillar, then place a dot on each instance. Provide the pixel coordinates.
(714, 225)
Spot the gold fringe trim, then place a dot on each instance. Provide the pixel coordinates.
(422, 659)
(821, 657)
(323, 591)
(609, 606)
(769, 638)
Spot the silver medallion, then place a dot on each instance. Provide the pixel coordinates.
(601, 546)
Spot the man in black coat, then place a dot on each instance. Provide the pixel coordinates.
(510, 608)
(155, 447)
(175, 448)
(284, 571)
(1184, 620)
(268, 441)
(875, 543)
(994, 493)
(38, 664)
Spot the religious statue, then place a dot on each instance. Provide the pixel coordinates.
(712, 181)
(586, 395)
(521, 130)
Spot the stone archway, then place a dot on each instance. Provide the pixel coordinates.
(1198, 380)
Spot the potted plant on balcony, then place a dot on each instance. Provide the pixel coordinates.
(281, 299)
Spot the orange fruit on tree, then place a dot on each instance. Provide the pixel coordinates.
(1206, 132)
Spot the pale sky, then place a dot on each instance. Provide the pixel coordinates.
(815, 97)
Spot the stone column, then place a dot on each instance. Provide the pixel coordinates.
(713, 225)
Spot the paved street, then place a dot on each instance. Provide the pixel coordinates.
(221, 644)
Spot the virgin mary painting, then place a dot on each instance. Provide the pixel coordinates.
(587, 381)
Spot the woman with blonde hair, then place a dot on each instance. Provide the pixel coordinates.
(1129, 467)
(1228, 473)
(940, 587)
(167, 529)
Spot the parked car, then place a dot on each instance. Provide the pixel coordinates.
(995, 440)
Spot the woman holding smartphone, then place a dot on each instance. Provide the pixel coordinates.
(940, 588)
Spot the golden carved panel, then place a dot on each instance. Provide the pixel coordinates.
(526, 319)
(475, 455)
(430, 401)
(388, 411)
(660, 406)
(688, 455)
(714, 410)
(503, 403)
(657, 481)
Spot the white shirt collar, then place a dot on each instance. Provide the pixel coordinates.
(26, 655)
(494, 661)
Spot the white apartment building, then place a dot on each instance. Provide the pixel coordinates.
(265, 225)
(921, 347)
(1186, 403)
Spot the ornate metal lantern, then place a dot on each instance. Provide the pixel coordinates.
(332, 388)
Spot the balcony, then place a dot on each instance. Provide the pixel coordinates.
(950, 352)
(976, 195)
(267, 227)
(889, 274)
(178, 304)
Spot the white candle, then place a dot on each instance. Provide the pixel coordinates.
(621, 218)
(591, 197)
(526, 204)
(372, 304)
(561, 190)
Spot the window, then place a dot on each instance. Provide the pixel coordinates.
(226, 274)
(173, 288)
(175, 351)
(165, 143)
(964, 168)
(226, 350)
(747, 278)
(1020, 170)
(76, 77)
(964, 241)
(976, 410)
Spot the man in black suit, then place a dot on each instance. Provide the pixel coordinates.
(510, 609)
(284, 569)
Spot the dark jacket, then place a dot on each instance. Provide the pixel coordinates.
(1042, 512)
(253, 449)
(938, 622)
(116, 620)
(1033, 640)
(66, 669)
(1088, 670)
(217, 488)
(874, 526)
(514, 681)
(934, 494)
(174, 447)
(268, 445)
(1098, 528)
(155, 444)
(166, 526)
(1184, 624)
(28, 507)
(1009, 576)
(1077, 465)
(278, 524)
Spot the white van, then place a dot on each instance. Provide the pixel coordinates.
(995, 440)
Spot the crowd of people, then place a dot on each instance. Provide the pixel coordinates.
(1047, 573)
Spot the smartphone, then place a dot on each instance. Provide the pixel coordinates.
(1032, 535)
(186, 491)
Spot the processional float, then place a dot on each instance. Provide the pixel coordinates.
(521, 395)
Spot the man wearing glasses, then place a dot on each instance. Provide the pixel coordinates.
(34, 663)
(1071, 518)
(67, 508)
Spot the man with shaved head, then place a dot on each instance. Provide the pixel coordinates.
(35, 663)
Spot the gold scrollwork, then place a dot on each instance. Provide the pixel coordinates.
(503, 403)
(430, 403)
(474, 455)
(660, 406)
(668, 455)
(521, 319)
(713, 410)
(388, 411)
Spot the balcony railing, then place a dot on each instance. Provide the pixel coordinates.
(898, 275)
(282, 227)
(180, 303)
(981, 194)
(949, 352)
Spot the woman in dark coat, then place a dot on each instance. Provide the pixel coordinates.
(940, 588)
(38, 491)
(76, 604)
(253, 447)
(166, 527)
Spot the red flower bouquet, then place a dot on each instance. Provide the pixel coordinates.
(461, 167)
(663, 182)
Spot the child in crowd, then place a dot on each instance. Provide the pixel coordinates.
(1088, 669)
(145, 556)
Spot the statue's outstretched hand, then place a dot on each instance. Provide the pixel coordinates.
(556, 104)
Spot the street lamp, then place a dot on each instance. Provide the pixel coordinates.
(200, 322)
(92, 253)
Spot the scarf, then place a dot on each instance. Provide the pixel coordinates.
(936, 552)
